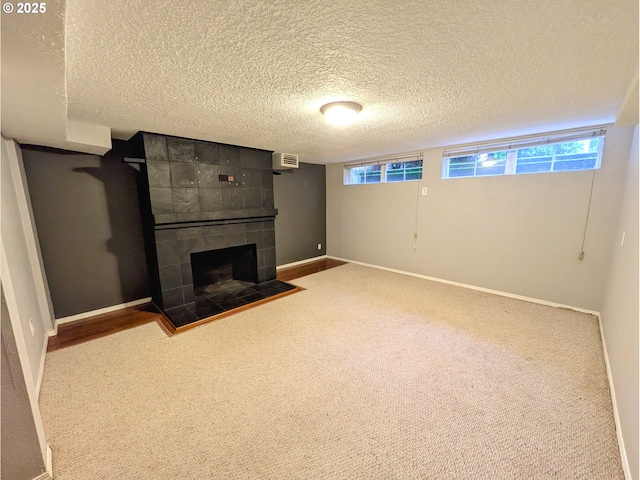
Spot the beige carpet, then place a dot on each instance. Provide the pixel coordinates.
(365, 375)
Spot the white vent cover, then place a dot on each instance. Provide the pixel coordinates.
(282, 161)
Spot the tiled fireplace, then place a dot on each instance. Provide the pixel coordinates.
(209, 217)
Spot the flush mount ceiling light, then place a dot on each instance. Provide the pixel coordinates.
(341, 113)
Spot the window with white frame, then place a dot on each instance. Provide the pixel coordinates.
(555, 152)
(398, 168)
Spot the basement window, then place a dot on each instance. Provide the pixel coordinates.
(397, 168)
(551, 152)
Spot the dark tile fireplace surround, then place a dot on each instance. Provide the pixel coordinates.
(202, 204)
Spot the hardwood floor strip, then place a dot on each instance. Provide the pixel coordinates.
(291, 273)
(165, 324)
(73, 333)
(80, 331)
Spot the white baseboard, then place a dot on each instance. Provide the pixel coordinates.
(614, 404)
(50, 461)
(43, 358)
(301, 262)
(471, 287)
(100, 311)
(48, 473)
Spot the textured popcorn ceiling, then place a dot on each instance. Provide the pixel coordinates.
(427, 73)
(33, 76)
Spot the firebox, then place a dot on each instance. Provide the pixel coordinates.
(224, 269)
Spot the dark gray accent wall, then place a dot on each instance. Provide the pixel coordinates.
(87, 215)
(20, 452)
(301, 224)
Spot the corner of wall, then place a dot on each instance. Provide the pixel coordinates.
(619, 320)
(32, 242)
(48, 472)
(19, 266)
(614, 404)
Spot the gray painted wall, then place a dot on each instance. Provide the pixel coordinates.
(620, 313)
(300, 197)
(20, 448)
(88, 218)
(519, 234)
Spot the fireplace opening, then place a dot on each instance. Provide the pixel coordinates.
(224, 270)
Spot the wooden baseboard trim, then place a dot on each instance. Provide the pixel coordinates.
(164, 323)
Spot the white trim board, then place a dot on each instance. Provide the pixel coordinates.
(614, 405)
(471, 287)
(43, 358)
(100, 311)
(49, 463)
(48, 473)
(301, 262)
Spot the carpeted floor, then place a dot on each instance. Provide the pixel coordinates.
(365, 375)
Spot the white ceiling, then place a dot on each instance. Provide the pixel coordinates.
(255, 73)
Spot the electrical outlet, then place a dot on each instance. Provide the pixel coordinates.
(319, 246)
(424, 191)
(32, 327)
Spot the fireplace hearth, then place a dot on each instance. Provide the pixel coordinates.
(223, 297)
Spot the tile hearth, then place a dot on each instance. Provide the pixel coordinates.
(225, 297)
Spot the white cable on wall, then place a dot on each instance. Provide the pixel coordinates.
(586, 223)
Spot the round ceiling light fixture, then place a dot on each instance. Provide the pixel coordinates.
(341, 114)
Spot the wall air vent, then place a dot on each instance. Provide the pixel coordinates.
(282, 161)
